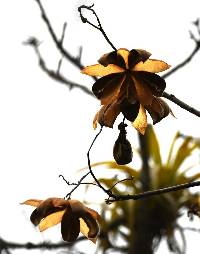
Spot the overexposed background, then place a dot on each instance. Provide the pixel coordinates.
(45, 129)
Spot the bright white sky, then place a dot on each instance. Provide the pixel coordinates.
(46, 130)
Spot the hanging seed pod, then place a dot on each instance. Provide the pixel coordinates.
(122, 151)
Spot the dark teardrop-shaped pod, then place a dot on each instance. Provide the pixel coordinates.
(122, 150)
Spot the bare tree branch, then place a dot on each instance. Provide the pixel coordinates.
(181, 104)
(58, 43)
(6, 245)
(184, 62)
(55, 75)
(146, 194)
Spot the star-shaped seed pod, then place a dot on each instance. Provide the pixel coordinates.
(129, 85)
(74, 216)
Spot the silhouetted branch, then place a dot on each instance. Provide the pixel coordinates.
(183, 63)
(181, 104)
(7, 245)
(58, 42)
(146, 194)
(68, 196)
(121, 181)
(191, 55)
(55, 75)
(89, 165)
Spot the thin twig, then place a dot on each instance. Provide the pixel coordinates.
(68, 196)
(183, 63)
(63, 33)
(99, 26)
(89, 165)
(123, 180)
(78, 183)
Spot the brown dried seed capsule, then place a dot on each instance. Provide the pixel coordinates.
(122, 151)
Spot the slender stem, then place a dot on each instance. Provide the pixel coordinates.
(123, 180)
(99, 26)
(79, 182)
(76, 186)
(89, 165)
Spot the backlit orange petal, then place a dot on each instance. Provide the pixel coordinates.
(108, 114)
(154, 82)
(112, 91)
(47, 207)
(158, 110)
(137, 55)
(95, 120)
(144, 93)
(89, 227)
(32, 202)
(124, 53)
(112, 58)
(100, 70)
(140, 122)
(85, 230)
(51, 220)
(151, 65)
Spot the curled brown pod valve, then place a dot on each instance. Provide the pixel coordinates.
(122, 151)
